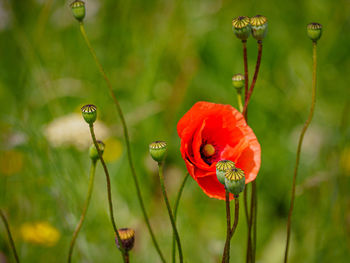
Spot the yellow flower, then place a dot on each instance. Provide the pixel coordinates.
(40, 233)
(113, 150)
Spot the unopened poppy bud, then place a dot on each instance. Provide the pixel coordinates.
(93, 153)
(127, 237)
(314, 31)
(238, 82)
(241, 27)
(78, 9)
(158, 150)
(259, 27)
(221, 168)
(89, 112)
(235, 181)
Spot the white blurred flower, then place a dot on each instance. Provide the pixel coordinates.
(314, 138)
(72, 130)
(4, 17)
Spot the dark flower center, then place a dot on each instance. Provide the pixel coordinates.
(209, 153)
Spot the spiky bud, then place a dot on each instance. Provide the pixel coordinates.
(314, 31)
(78, 9)
(221, 168)
(238, 82)
(158, 150)
(127, 236)
(235, 181)
(93, 153)
(259, 27)
(89, 112)
(241, 27)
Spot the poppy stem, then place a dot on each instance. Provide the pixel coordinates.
(245, 61)
(230, 231)
(255, 223)
(226, 253)
(253, 212)
(252, 85)
(175, 213)
(109, 191)
(235, 222)
(246, 84)
(306, 125)
(12, 243)
(171, 216)
(245, 200)
(127, 141)
(85, 208)
(126, 257)
(252, 226)
(239, 100)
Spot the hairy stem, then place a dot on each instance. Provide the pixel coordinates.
(109, 191)
(171, 216)
(175, 213)
(253, 213)
(239, 100)
(226, 253)
(303, 131)
(246, 84)
(235, 222)
(230, 231)
(250, 257)
(245, 61)
(254, 223)
(252, 85)
(85, 208)
(245, 200)
(12, 243)
(126, 257)
(127, 141)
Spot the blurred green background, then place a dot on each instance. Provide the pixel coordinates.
(162, 57)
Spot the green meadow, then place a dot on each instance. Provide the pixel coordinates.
(161, 58)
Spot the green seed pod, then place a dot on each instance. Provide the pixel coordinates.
(93, 151)
(158, 150)
(241, 27)
(238, 82)
(89, 112)
(78, 9)
(314, 31)
(259, 27)
(127, 236)
(222, 167)
(235, 181)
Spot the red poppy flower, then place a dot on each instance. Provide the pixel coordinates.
(212, 132)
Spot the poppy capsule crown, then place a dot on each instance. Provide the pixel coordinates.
(89, 112)
(259, 27)
(158, 150)
(314, 31)
(127, 237)
(78, 10)
(235, 181)
(222, 167)
(241, 27)
(93, 153)
(238, 81)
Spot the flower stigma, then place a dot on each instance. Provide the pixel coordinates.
(208, 150)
